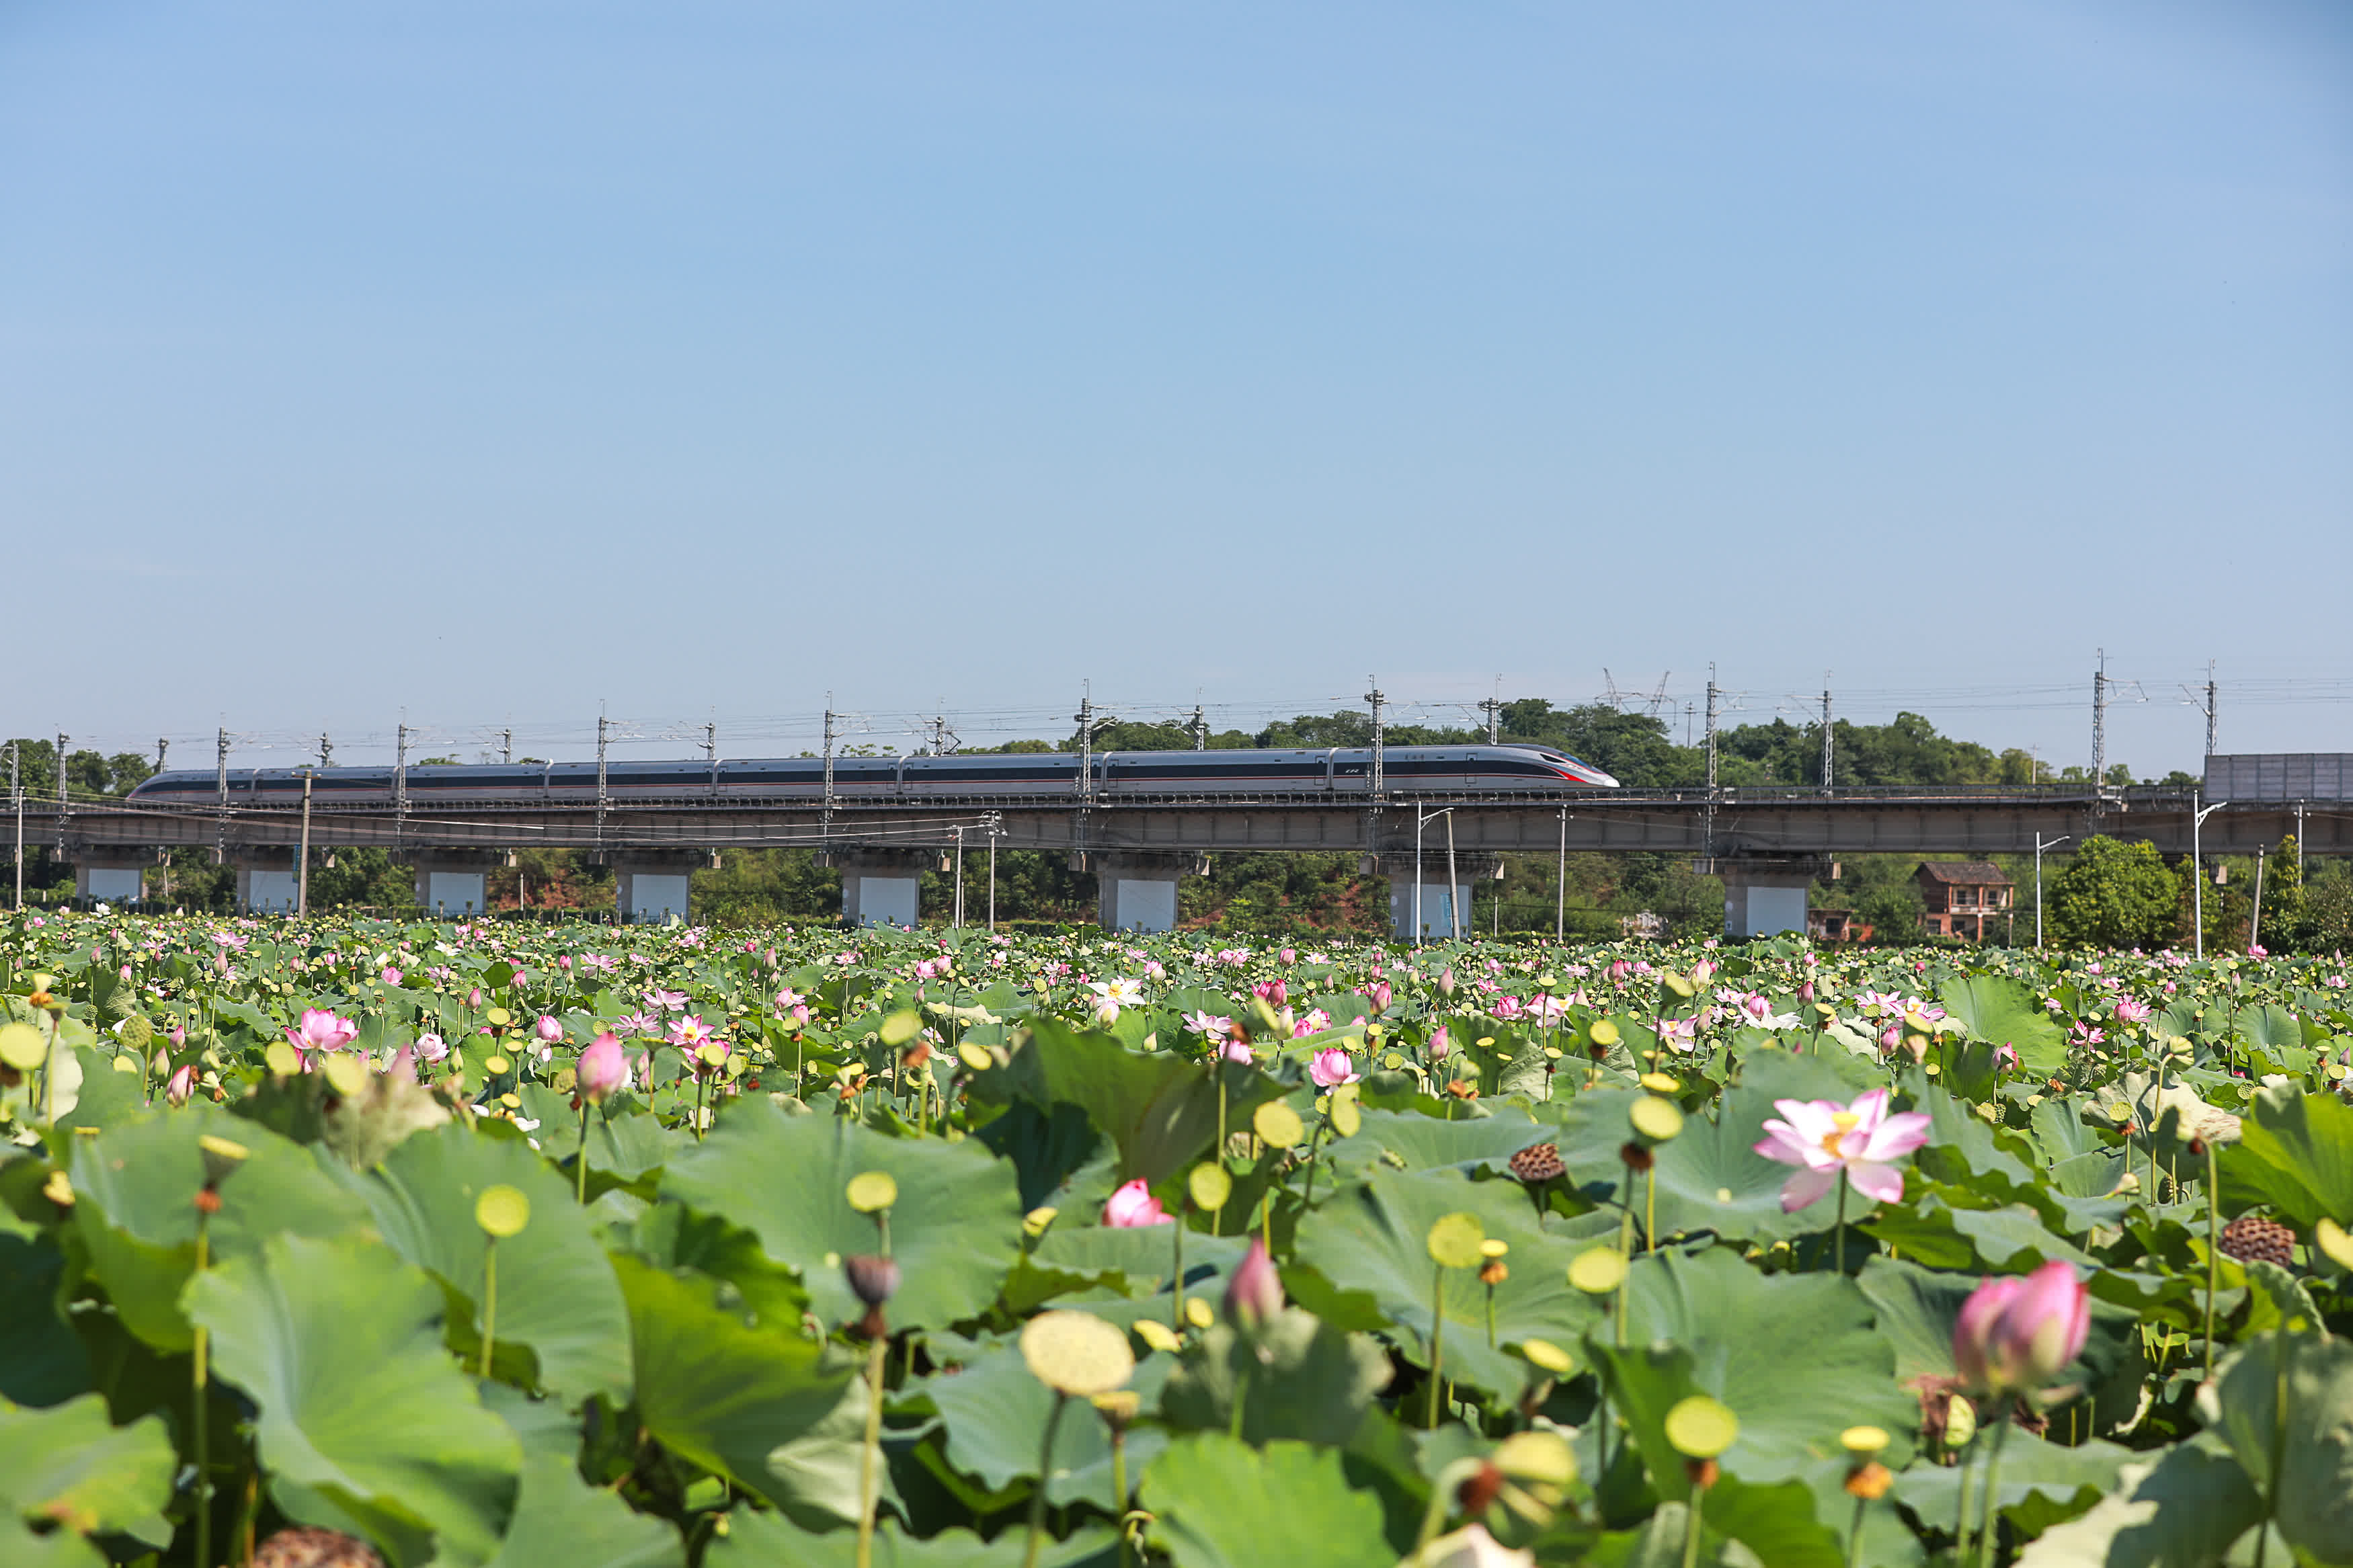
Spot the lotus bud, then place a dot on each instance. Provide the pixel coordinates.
(1254, 1293)
(549, 1030)
(604, 1067)
(2016, 1334)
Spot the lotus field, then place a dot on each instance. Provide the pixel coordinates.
(338, 1242)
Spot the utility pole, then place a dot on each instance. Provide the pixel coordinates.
(711, 752)
(400, 783)
(956, 918)
(1494, 708)
(1086, 719)
(326, 751)
(1708, 828)
(1560, 885)
(2100, 730)
(302, 866)
(2255, 924)
(220, 783)
(506, 745)
(2198, 872)
(996, 821)
(2041, 844)
(2211, 708)
(1828, 749)
(825, 833)
(1376, 784)
(62, 738)
(604, 795)
(1200, 729)
(942, 735)
(1454, 882)
(16, 793)
(162, 746)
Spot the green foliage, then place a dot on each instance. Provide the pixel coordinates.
(2113, 894)
(679, 1355)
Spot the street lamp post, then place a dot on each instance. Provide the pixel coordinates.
(1422, 817)
(302, 881)
(2197, 873)
(2039, 847)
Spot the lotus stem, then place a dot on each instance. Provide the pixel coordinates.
(1217, 1066)
(2213, 1254)
(1176, 1309)
(489, 1300)
(1692, 1527)
(1437, 1336)
(1045, 1468)
(1650, 1210)
(580, 1158)
(1118, 1486)
(871, 1452)
(1854, 1536)
(1987, 1548)
(1838, 1254)
(200, 1430)
(1961, 1515)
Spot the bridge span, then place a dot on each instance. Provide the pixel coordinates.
(1756, 838)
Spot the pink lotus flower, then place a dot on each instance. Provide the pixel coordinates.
(1236, 1051)
(390, 976)
(691, 1034)
(1133, 1207)
(1382, 996)
(2129, 1011)
(1330, 1068)
(182, 1086)
(1439, 1045)
(1254, 1290)
(2016, 1334)
(670, 1001)
(322, 1031)
(603, 1067)
(432, 1048)
(549, 1030)
(1289, 955)
(1825, 1139)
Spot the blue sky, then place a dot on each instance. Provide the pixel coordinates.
(485, 361)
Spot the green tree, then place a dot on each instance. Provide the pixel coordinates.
(2115, 894)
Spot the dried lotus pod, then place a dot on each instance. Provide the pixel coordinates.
(1537, 1162)
(2250, 1239)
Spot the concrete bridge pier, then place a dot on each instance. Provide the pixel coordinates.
(111, 876)
(880, 887)
(266, 880)
(1764, 896)
(1439, 902)
(1137, 889)
(651, 885)
(455, 883)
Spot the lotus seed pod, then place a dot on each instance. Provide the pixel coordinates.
(1076, 1354)
(872, 1190)
(501, 1211)
(872, 1280)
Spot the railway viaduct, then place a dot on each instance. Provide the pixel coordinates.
(1766, 844)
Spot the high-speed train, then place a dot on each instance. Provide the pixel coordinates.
(1405, 770)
